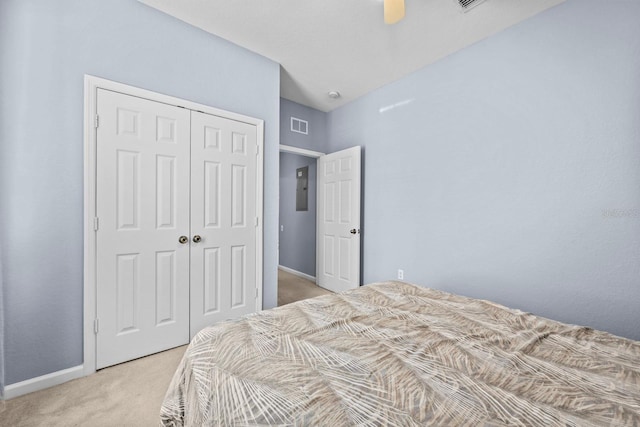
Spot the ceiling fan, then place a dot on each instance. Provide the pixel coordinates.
(393, 11)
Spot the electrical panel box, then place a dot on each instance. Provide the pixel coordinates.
(302, 189)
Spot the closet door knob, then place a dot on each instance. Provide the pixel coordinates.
(183, 239)
(197, 239)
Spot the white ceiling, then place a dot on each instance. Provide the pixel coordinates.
(344, 45)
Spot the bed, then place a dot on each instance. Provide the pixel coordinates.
(397, 354)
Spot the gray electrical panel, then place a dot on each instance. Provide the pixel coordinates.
(302, 189)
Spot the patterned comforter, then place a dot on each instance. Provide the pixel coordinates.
(401, 355)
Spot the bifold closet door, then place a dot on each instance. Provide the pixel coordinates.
(223, 219)
(142, 197)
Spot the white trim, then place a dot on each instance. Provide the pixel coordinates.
(297, 273)
(90, 99)
(260, 214)
(300, 151)
(91, 85)
(97, 82)
(42, 382)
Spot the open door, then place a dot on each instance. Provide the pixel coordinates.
(338, 238)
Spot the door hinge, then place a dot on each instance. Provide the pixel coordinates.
(257, 221)
(97, 121)
(257, 292)
(257, 149)
(96, 223)
(95, 326)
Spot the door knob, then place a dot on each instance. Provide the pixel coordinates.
(354, 231)
(197, 239)
(183, 239)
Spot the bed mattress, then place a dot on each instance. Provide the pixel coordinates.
(397, 354)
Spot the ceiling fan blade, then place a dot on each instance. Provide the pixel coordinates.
(393, 11)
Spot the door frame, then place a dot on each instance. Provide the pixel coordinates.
(301, 151)
(317, 155)
(91, 85)
(313, 155)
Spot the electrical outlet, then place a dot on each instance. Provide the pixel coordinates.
(282, 228)
(400, 274)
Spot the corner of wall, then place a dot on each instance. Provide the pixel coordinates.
(3, 19)
(1, 326)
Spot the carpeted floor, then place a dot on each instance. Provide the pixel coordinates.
(293, 288)
(129, 394)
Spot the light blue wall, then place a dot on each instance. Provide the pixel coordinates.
(490, 173)
(46, 47)
(298, 239)
(1, 326)
(4, 20)
(316, 140)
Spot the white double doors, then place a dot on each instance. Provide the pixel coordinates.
(176, 224)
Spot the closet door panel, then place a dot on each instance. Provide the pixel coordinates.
(223, 215)
(142, 193)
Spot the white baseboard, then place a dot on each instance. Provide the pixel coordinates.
(297, 273)
(42, 382)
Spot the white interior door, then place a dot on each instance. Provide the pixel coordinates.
(142, 193)
(224, 217)
(338, 241)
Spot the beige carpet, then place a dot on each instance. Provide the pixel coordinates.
(293, 288)
(129, 394)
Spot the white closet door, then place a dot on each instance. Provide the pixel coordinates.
(143, 209)
(224, 216)
(338, 241)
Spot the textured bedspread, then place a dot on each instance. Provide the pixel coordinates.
(401, 355)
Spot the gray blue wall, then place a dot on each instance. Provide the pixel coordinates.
(298, 239)
(316, 140)
(4, 19)
(492, 173)
(46, 48)
(1, 328)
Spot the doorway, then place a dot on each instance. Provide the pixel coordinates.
(297, 225)
(334, 223)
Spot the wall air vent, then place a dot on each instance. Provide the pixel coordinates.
(466, 5)
(299, 125)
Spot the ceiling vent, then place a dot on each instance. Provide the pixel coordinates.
(466, 5)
